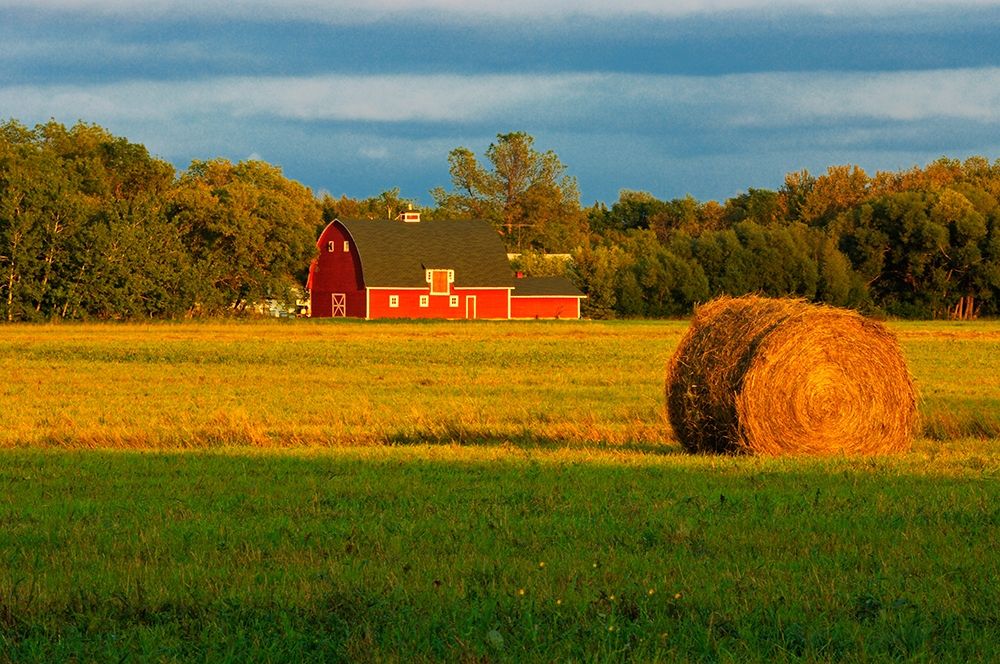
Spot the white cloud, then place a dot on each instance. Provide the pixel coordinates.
(392, 98)
(971, 94)
(744, 99)
(374, 152)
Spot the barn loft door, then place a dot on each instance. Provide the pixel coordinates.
(439, 281)
(339, 305)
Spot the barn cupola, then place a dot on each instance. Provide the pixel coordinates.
(410, 215)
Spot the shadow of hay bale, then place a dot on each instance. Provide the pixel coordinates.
(778, 376)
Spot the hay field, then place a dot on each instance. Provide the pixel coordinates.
(468, 492)
(349, 383)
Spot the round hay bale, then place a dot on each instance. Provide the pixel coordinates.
(756, 375)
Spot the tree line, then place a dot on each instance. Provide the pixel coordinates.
(94, 227)
(921, 243)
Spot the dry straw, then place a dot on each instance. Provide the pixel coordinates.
(767, 376)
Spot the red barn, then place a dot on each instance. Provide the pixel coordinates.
(409, 268)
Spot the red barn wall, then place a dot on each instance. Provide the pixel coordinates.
(544, 307)
(490, 303)
(336, 271)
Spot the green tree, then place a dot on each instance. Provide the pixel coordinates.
(525, 193)
(761, 206)
(839, 189)
(596, 271)
(635, 210)
(670, 285)
(22, 201)
(250, 231)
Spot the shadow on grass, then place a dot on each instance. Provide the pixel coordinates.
(284, 558)
(471, 437)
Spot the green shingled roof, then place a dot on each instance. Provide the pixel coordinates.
(396, 253)
(545, 286)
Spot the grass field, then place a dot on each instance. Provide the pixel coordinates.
(467, 492)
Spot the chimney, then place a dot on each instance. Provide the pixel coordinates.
(410, 216)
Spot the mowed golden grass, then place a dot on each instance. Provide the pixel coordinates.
(311, 383)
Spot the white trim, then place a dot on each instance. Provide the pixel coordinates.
(347, 246)
(471, 300)
(508, 305)
(578, 301)
(453, 301)
(425, 301)
(368, 303)
(394, 302)
(456, 288)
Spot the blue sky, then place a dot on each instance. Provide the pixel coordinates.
(707, 97)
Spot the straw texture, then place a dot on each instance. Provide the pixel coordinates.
(768, 376)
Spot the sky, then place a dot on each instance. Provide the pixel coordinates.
(700, 97)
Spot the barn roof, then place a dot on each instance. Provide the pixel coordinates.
(396, 253)
(550, 286)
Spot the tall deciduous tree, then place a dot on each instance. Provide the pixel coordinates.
(525, 193)
(249, 229)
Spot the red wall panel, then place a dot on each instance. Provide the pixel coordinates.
(489, 303)
(544, 307)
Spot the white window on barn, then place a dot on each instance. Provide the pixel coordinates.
(393, 301)
(347, 245)
(329, 246)
(425, 300)
(453, 301)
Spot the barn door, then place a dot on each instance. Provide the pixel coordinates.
(470, 306)
(339, 305)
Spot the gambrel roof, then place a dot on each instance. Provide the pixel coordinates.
(397, 253)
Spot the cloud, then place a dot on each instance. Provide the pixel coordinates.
(970, 94)
(749, 100)
(392, 98)
(669, 134)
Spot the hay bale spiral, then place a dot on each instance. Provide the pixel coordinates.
(767, 376)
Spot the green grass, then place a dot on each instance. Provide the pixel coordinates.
(436, 553)
(489, 492)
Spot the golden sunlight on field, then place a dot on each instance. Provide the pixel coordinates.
(302, 383)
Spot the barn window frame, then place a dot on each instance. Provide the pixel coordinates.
(347, 246)
(448, 279)
(330, 246)
(393, 301)
(425, 301)
(453, 301)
